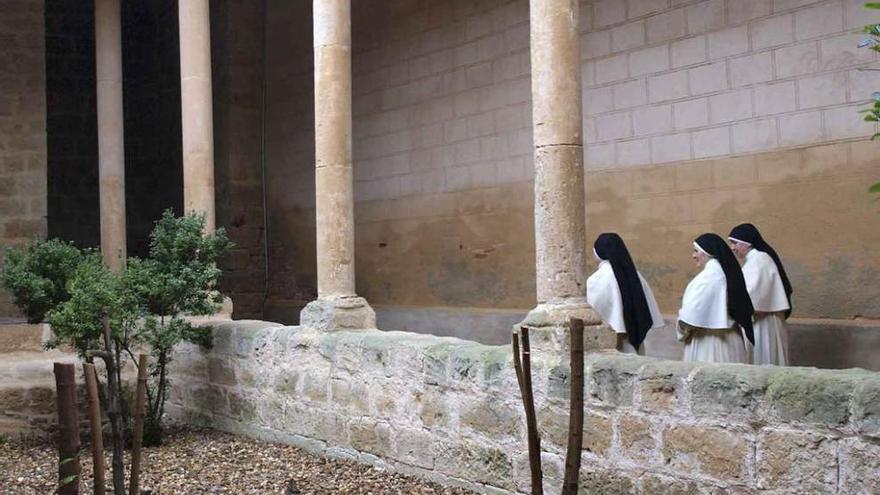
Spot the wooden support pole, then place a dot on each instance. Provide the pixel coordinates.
(91, 377)
(138, 433)
(576, 410)
(534, 440)
(68, 429)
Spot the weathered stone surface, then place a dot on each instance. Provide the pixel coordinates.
(558, 386)
(801, 462)
(735, 390)
(552, 469)
(866, 407)
(813, 396)
(433, 409)
(553, 428)
(349, 395)
(315, 387)
(370, 436)
(655, 483)
(598, 481)
(859, 467)
(611, 378)
(338, 313)
(662, 385)
(241, 407)
(472, 461)
(598, 433)
(636, 440)
(209, 399)
(709, 450)
(23, 337)
(414, 446)
(492, 417)
(220, 372)
(285, 384)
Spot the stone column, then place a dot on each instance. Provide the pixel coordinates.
(197, 110)
(560, 225)
(111, 149)
(337, 306)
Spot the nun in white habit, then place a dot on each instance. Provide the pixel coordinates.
(621, 296)
(716, 310)
(770, 291)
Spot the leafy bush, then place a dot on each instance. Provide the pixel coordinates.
(37, 275)
(872, 114)
(179, 278)
(147, 304)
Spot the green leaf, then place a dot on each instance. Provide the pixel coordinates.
(875, 188)
(872, 5)
(69, 479)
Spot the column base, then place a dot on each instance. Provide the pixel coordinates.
(549, 326)
(331, 313)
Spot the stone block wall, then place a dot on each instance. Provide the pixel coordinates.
(698, 115)
(449, 410)
(236, 43)
(22, 127)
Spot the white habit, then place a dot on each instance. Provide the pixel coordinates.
(603, 294)
(768, 297)
(709, 333)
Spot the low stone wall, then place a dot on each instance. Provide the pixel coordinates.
(449, 410)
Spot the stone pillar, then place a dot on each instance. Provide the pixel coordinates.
(560, 225)
(197, 110)
(111, 148)
(337, 306)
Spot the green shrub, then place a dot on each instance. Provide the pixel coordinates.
(37, 275)
(872, 113)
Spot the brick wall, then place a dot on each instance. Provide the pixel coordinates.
(449, 410)
(698, 115)
(22, 127)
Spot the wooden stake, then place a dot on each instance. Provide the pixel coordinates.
(576, 409)
(138, 433)
(68, 429)
(534, 439)
(95, 423)
(517, 364)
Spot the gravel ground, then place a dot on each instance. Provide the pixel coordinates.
(210, 462)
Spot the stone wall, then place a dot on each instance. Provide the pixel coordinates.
(22, 127)
(236, 44)
(153, 139)
(154, 177)
(699, 115)
(449, 410)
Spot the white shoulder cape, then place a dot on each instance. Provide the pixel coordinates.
(764, 282)
(603, 294)
(705, 299)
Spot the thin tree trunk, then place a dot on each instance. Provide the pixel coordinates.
(68, 429)
(138, 434)
(534, 440)
(114, 412)
(95, 422)
(576, 409)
